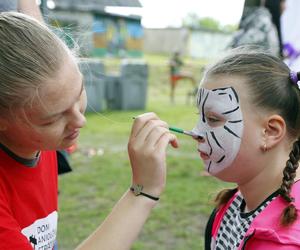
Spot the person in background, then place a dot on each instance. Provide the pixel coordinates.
(260, 26)
(177, 74)
(291, 35)
(276, 8)
(28, 7)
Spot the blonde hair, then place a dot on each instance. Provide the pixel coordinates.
(30, 54)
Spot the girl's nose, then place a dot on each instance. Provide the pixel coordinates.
(199, 138)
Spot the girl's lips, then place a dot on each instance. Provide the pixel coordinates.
(203, 155)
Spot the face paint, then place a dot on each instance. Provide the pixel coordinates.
(222, 123)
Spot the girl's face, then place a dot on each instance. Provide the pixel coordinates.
(53, 119)
(230, 126)
(221, 122)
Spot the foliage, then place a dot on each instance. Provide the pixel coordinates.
(209, 23)
(192, 20)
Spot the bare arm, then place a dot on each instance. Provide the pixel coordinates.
(122, 226)
(29, 7)
(147, 152)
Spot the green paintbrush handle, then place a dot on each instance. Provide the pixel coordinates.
(178, 130)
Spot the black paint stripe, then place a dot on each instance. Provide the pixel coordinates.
(231, 111)
(208, 169)
(231, 132)
(199, 97)
(237, 121)
(222, 158)
(235, 94)
(203, 116)
(221, 88)
(210, 152)
(214, 137)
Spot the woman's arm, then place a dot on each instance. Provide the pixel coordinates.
(29, 7)
(147, 152)
(122, 226)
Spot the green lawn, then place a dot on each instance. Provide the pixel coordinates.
(101, 172)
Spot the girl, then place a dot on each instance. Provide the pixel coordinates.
(249, 105)
(42, 104)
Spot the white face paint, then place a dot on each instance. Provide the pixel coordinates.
(221, 122)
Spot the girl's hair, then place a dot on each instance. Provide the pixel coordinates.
(30, 54)
(271, 88)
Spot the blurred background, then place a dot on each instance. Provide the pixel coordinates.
(133, 27)
(139, 56)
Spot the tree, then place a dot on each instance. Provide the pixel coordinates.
(192, 20)
(209, 23)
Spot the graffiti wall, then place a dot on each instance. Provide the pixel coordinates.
(117, 36)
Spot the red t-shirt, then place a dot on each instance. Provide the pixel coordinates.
(28, 203)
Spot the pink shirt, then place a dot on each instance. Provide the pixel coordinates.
(265, 231)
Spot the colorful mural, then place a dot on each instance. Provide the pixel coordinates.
(117, 36)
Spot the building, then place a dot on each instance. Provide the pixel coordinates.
(97, 32)
(196, 43)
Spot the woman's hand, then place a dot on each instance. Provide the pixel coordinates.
(147, 145)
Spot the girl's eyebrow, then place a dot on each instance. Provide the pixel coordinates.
(60, 112)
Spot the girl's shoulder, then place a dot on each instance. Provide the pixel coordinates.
(270, 216)
(295, 190)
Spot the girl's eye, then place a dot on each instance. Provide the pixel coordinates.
(213, 119)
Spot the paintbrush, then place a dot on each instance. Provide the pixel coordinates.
(190, 133)
(185, 132)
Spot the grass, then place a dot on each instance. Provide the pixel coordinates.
(101, 172)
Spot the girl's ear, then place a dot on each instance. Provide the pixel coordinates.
(274, 131)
